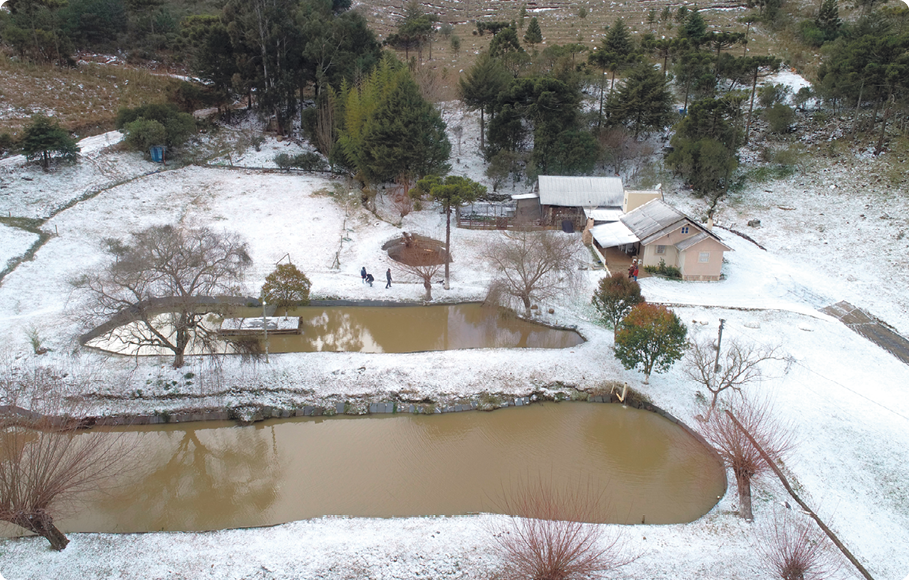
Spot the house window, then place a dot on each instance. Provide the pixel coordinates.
(685, 230)
(703, 257)
(661, 249)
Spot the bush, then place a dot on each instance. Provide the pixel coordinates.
(142, 134)
(780, 117)
(771, 94)
(7, 143)
(663, 270)
(651, 337)
(178, 127)
(306, 161)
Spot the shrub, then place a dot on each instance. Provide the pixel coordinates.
(142, 134)
(780, 117)
(663, 270)
(771, 94)
(306, 161)
(615, 297)
(178, 127)
(7, 143)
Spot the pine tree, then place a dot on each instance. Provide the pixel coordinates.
(694, 27)
(44, 136)
(480, 87)
(644, 102)
(616, 52)
(405, 138)
(828, 19)
(533, 35)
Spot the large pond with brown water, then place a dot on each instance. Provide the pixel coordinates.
(209, 476)
(374, 329)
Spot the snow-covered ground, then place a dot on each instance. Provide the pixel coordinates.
(846, 397)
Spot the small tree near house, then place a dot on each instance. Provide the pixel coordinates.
(615, 297)
(650, 337)
(286, 287)
(737, 451)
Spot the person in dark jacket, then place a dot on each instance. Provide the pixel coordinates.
(363, 274)
(388, 277)
(370, 279)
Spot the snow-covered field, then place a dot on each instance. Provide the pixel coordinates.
(846, 397)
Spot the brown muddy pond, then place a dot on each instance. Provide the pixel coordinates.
(391, 329)
(206, 476)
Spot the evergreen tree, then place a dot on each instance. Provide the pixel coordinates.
(616, 52)
(614, 298)
(505, 41)
(44, 136)
(480, 87)
(694, 28)
(405, 137)
(643, 103)
(704, 145)
(533, 35)
(828, 20)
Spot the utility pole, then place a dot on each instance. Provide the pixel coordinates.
(719, 341)
(265, 328)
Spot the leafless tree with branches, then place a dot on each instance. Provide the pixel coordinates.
(535, 265)
(419, 259)
(737, 451)
(45, 463)
(555, 536)
(166, 279)
(792, 547)
(739, 365)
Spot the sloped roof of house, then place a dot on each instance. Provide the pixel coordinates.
(656, 218)
(613, 234)
(581, 191)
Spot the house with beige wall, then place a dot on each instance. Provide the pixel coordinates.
(657, 231)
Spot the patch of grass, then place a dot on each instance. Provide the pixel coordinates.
(84, 99)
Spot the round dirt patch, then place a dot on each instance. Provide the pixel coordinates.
(416, 250)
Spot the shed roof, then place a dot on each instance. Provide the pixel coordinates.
(581, 191)
(604, 215)
(613, 234)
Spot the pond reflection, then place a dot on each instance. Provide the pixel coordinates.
(213, 476)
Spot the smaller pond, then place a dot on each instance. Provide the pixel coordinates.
(390, 329)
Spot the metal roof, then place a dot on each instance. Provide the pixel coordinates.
(581, 191)
(613, 234)
(524, 196)
(652, 218)
(604, 215)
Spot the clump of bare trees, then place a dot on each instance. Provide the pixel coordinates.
(165, 279)
(726, 432)
(554, 535)
(736, 367)
(792, 547)
(45, 461)
(534, 265)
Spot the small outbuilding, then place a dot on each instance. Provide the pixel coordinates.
(656, 232)
(564, 198)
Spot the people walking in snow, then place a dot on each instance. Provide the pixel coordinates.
(388, 277)
(369, 279)
(363, 274)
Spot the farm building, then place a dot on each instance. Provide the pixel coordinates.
(579, 199)
(656, 232)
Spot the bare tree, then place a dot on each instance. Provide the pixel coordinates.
(44, 462)
(554, 536)
(165, 279)
(737, 451)
(419, 260)
(535, 265)
(739, 365)
(792, 547)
